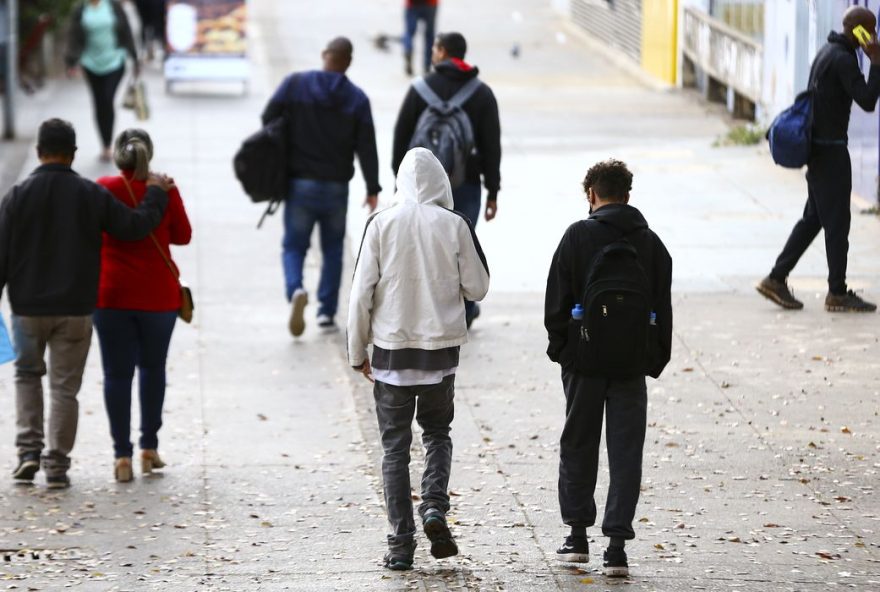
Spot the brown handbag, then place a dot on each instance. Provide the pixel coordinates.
(187, 304)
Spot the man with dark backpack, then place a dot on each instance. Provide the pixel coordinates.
(455, 115)
(608, 314)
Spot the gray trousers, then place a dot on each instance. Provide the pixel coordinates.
(68, 340)
(624, 403)
(433, 408)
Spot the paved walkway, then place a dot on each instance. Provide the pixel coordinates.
(762, 451)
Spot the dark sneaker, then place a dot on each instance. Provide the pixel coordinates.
(469, 319)
(326, 324)
(57, 481)
(297, 323)
(849, 302)
(28, 465)
(574, 550)
(442, 543)
(779, 293)
(615, 562)
(398, 562)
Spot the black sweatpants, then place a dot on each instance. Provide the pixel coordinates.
(829, 182)
(624, 404)
(103, 87)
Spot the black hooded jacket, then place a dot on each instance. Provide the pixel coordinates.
(837, 81)
(571, 264)
(482, 109)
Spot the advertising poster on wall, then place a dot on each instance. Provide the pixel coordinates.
(207, 40)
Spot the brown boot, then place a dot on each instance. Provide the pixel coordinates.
(122, 470)
(849, 302)
(779, 293)
(150, 460)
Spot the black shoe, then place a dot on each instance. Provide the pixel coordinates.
(28, 465)
(849, 302)
(57, 482)
(574, 550)
(398, 562)
(615, 562)
(469, 319)
(779, 293)
(407, 64)
(326, 324)
(442, 543)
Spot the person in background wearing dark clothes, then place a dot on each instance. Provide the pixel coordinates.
(330, 122)
(99, 40)
(837, 81)
(414, 12)
(623, 400)
(152, 15)
(138, 300)
(450, 74)
(50, 257)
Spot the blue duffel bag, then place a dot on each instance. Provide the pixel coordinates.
(790, 132)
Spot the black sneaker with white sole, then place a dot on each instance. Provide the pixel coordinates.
(574, 550)
(398, 562)
(615, 562)
(442, 543)
(28, 466)
(57, 481)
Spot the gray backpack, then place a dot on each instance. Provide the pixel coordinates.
(445, 129)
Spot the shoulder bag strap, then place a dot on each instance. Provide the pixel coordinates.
(174, 271)
(465, 93)
(427, 93)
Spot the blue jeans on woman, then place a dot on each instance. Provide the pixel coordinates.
(412, 16)
(129, 339)
(324, 203)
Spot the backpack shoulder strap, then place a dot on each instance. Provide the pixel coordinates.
(465, 93)
(420, 85)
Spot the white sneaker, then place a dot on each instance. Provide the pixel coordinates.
(326, 324)
(297, 323)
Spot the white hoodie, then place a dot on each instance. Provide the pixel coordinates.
(418, 262)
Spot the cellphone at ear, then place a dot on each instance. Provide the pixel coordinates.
(862, 35)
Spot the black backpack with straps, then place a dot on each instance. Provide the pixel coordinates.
(619, 321)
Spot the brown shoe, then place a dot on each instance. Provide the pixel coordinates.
(849, 302)
(150, 460)
(779, 293)
(122, 470)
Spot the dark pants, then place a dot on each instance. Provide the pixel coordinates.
(129, 339)
(466, 199)
(152, 16)
(103, 87)
(433, 408)
(412, 16)
(625, 404)
(829, 182)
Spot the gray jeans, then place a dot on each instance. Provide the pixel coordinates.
(68, 340)
(433, 407)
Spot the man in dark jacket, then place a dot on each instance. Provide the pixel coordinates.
(50, 258)
(837, 81)
(451, 73)
(330, 122)
(587, 392)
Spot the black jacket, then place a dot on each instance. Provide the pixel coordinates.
(330, 121)
(571, 264)
(76, 40)
(481, 108)
(838, 82)
(50, 239)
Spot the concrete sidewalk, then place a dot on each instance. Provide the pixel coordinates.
(762, 452)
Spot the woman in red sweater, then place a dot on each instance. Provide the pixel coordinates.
(138, 300)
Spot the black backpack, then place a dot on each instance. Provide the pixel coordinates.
(261, 164)
(619, 322)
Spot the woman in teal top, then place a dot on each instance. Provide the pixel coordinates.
(100, 38)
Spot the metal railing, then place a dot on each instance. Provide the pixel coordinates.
(730, 57)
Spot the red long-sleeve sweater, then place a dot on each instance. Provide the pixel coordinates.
(133, 274)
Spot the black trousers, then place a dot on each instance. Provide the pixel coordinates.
(829, 182)
(624, 404)
(103, 87)
(152, 16)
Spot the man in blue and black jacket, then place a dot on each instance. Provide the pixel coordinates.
(330, 121)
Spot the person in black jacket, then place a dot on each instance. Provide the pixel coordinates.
(99, 40)
(330, 121)
(51, 227)
(587, 393)
(837, 81)
(450, 74)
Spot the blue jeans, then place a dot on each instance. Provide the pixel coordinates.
(129, 339)
(466, 199)
(412, 16)
(325, 203)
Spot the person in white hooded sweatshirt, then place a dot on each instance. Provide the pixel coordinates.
(418, 262)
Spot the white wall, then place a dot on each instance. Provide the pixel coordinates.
(563, 6)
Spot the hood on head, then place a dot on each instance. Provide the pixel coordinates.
(422, 179)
